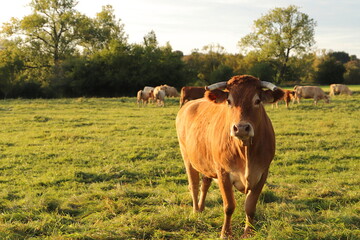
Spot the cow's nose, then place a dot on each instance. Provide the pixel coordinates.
(242, 130)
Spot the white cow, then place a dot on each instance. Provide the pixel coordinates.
(159, 96)
(310, 92)
(339, 89)
(143, 97)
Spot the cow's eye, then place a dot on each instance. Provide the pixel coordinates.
(228, 102)
(257, 102)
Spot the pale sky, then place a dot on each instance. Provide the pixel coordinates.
(190, 24)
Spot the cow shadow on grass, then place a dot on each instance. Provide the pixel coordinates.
(123, 176)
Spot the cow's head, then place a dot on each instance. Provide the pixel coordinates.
(327, 99)
(245, 96)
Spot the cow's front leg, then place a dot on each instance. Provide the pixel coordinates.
(227, 194)
(194, 180)
(250, 205)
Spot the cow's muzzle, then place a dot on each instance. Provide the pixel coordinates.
(242, 130)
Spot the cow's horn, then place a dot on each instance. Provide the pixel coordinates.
(216, 86)
(268, 85)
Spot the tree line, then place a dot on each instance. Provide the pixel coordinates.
(58, 52)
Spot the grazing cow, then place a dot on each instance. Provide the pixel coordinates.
(228, 136)
(339, 89)
(159, 96)
(288, 96)
(170, 91)
(310, 92)
(190, 93)
(143, 97)
(150, 89)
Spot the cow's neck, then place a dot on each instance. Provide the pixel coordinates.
(251, 151)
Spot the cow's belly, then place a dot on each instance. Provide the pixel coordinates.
(204, 166)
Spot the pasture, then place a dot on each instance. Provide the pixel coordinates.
(106, 169)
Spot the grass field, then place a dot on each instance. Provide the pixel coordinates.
(106, 169)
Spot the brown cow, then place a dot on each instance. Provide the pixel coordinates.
(339, 89)
(190, 93)
(228, 136)
(310, 92)
(288, 96)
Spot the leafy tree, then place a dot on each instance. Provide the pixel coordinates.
(352, 74)
(172, 67)
(11, 64)
(343, 57)
(212, 60)
(280, 33)
(263, 71)
(222, 73)
(97, 33)
(330, 71)
(235, 62)
(193, 65)
(305, 68)
(49, 29)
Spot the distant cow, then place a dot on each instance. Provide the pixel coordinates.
(143, 97)
(170, 91)
(150, 89)
(159, 96)
(228, 136)
(288, 96)
(310, 92)
(190, 93)
(339, 89)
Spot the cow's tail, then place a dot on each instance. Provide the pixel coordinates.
(182, 96)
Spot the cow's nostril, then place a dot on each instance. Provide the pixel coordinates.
(247, 128)
(235, 128)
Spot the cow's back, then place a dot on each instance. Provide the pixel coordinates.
(190, 93)
(311, 92)
(343, 89)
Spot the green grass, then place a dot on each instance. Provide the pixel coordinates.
(106, 169)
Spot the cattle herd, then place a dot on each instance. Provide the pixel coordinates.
(225, 134)
(157, 94)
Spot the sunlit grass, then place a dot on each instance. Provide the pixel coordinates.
(106, 169)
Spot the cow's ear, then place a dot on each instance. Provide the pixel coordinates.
(216, 96)
(269, 96)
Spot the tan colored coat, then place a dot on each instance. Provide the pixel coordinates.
(143, 97)
(159, 96)
(228, 136)
(310, 92)
(339, 89)
(288, 96)
(190, 93)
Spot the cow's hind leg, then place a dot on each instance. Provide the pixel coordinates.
(206, 182)
(194, 180)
